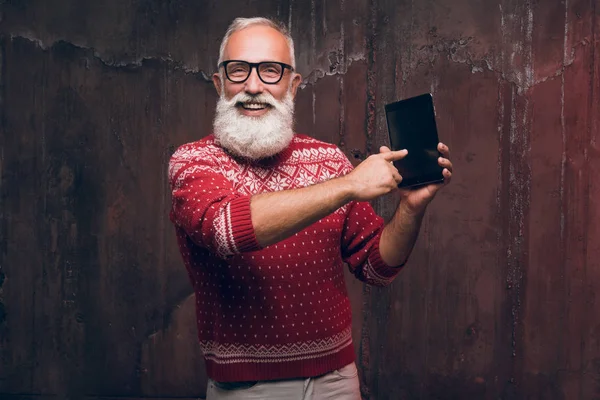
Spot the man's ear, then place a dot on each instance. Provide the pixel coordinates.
(216, 78)
(296, 81)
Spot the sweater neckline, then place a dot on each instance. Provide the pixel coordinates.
(277, 158)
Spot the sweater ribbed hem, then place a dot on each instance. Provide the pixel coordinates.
(377, 263)
(241, 225)
(261, 371)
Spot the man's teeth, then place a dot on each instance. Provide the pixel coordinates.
(254, 106)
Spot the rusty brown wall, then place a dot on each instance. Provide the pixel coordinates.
(501, 299)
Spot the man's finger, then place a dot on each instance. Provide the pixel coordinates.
(394, 155)
(384, 149)
(445, 163)
(442, 148)
(447, 176)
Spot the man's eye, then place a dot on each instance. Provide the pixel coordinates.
(270, 70)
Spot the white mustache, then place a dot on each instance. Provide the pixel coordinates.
(262, 98)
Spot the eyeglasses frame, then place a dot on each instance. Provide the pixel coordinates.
(255, 66)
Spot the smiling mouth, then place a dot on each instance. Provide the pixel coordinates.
(254, 106)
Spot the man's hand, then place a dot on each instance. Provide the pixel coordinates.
(416, 200)
(376, 175)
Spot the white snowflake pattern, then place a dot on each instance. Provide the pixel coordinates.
(252, 183)
(231, 175)
(304, 179)
(278, 182)
(326, 175)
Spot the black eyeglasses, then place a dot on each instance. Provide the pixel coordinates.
(270, 72)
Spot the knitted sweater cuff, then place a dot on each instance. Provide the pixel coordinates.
(380, 268)
(241, 225)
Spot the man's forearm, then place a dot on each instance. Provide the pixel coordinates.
(279, 215)
(399, 236)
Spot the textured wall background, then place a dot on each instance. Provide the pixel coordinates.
(500, 299)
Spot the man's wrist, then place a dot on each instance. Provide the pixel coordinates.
(411, 212)
(346, 187)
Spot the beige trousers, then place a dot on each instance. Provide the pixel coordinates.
(341, 384)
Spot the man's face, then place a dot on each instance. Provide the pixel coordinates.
(254, 119)
(256, 44)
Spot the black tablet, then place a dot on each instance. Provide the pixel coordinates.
(411, 126)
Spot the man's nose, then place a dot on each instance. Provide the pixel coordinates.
(253, 84)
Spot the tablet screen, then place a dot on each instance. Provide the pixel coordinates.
(411, 126)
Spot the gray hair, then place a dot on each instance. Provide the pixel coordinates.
(242, 23)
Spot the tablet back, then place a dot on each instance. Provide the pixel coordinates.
(411, 126)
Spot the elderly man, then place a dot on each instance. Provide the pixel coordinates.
(265, 220)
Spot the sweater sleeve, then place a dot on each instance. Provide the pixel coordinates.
(360, 245)
(206, 206)
(360, 242)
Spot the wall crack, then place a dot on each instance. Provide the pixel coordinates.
(337, 66)
(457, 51)
(127, 65)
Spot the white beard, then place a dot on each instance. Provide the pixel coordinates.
(254, 137)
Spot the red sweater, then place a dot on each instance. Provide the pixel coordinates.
(281, 311)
